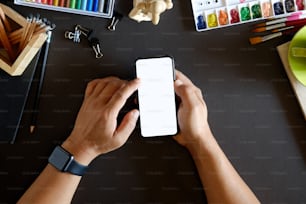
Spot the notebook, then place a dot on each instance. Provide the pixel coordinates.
(299, 88)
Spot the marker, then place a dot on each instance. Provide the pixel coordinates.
(44, 2)
(89, 5)
(50, 2)
(55, 3)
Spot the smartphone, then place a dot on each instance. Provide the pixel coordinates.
(156, 96)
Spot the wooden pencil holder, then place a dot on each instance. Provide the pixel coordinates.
(29, 50)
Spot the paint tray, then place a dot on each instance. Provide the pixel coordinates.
(103, 8)
(212, 14)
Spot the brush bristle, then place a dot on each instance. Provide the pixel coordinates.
(255, 40)
(258, 30)
(260, 24)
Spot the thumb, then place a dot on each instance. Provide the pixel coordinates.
(127, 124)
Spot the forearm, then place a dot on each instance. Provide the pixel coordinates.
(52, 186)
(220, 180)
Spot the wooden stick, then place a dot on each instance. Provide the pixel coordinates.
(13, 15)
(15, 36)
(29, 35)
(5, 42)
(23, 37)
(5, 21)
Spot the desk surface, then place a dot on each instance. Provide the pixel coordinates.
(252, 111)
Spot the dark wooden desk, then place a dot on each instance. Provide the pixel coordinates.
(252, 111)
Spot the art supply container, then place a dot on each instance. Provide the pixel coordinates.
(241, 11)
(23, 59)
(98, 8)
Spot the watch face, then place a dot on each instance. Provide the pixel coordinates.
(60, 158)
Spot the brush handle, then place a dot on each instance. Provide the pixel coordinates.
(271, 36)
(297, 22)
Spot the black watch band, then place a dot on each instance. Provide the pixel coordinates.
(64, 162)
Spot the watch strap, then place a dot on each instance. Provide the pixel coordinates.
(64, 161)
(76, 168)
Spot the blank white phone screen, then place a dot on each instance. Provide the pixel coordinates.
(156, 97)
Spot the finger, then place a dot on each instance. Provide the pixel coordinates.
(127, 126)
(102, 83)
(119, 98)
(186, 93)
(110, 89)
(91, 86)
(183, 78)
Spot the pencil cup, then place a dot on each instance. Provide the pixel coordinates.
(18, 46)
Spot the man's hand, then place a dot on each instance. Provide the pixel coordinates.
(96, 131)
(192, 113)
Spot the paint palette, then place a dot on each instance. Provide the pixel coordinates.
(211, 14)
(99, 8)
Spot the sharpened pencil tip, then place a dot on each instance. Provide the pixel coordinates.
(32, 128)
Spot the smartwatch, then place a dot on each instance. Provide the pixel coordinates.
(64, 162)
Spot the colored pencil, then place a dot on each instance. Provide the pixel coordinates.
(279, 25)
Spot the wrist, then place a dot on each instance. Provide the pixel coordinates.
(205, 146)
(80, 152)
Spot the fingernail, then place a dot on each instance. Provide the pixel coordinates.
(135, 114)
(178, 82)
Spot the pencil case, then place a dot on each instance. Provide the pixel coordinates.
(212, 14)
(98, 8)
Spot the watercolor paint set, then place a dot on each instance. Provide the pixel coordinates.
(211, 14)
(98, 8)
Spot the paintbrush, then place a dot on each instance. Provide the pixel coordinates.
(260, 39)
(292, 17)
(279, 25)
(286, 28)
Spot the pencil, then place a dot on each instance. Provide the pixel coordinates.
(41, 79)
